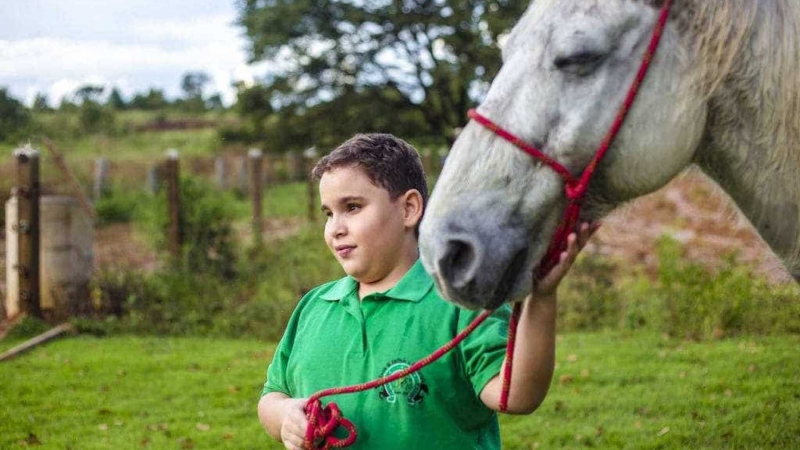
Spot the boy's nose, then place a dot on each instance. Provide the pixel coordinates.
(336, 227)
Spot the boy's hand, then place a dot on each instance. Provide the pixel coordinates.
(547, 285)
(293, 426)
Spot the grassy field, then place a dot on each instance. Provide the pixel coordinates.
(610, 391)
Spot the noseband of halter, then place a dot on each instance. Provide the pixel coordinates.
(575, 188)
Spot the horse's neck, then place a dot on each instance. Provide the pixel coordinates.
(742, 159)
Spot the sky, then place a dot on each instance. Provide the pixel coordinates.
(56, 46)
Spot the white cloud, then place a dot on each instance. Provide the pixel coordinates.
(148, 52)
(194, 30)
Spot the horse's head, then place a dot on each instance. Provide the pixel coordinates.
(567, 67)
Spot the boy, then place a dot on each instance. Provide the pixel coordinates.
(385, 315)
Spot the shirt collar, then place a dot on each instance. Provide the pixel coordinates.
(414, 285)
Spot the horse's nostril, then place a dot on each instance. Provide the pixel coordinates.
(459, 262)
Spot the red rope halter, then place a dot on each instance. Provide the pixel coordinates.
(323, 421)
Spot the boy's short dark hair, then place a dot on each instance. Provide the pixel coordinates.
(389, 162)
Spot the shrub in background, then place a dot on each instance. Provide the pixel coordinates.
(27, 327)
(282, 273)
(683, 299)
(589, 299)
(698, 303)
(118, 205)
(206, 227)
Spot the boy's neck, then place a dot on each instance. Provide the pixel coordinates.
(404, 263)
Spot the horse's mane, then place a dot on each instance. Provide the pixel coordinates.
(750, 49)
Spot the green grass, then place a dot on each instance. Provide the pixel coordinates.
(610, 391)
(87, 393)
(643, 391)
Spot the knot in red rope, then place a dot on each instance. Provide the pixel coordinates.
(323, 422)
(575, 190)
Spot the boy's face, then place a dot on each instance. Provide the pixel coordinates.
(366, 230)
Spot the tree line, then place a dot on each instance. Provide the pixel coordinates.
(412, 68)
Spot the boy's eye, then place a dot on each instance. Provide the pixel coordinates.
(353, 207)
(328, 213)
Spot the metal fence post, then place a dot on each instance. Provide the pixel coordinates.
(101, 167)
(174, 202)
(256, 158)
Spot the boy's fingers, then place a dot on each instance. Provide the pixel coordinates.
(291, 441)
(586, 230)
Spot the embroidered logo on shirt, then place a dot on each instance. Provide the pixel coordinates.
(411, 387)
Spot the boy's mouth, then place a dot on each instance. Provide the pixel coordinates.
(344, 250)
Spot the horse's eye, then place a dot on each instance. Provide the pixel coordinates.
(582, 63)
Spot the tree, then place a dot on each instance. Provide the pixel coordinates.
(428, 55)
(116, 101)
(40, 103)
(214, 102)
(192, 85)
(254, 104)
(14, 118)
(89, 93)
(154, 99)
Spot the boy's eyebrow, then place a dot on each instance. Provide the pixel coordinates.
(343, 200)
(351, 198)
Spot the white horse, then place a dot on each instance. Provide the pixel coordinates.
(722, 93)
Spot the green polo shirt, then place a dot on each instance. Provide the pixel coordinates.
(332, 340)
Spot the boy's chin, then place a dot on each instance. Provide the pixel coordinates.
(353, 269)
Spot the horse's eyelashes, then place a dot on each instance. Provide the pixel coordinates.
(581, 63)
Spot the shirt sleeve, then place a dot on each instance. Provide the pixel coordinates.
(277, 378)
(483, 350)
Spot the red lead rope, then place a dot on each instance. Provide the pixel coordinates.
(323, 421)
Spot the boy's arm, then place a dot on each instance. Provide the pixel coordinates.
(534, 352)
(284, 418)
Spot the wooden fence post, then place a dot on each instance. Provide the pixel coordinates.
(256, 158)
(173, 202)
(310, 157)
(27, 190)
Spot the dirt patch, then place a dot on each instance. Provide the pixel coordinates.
(120, 246)
(272, 229)
(696, 212)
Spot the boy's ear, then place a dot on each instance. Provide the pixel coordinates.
(412, 207)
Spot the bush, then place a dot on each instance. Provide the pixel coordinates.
(684, 299)
(95, 118)
(589, 300)
(14, 117)
(257, 302)
(172, 302)
(26, 328)
(206, 228)
(697, 303)
(118, 205)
